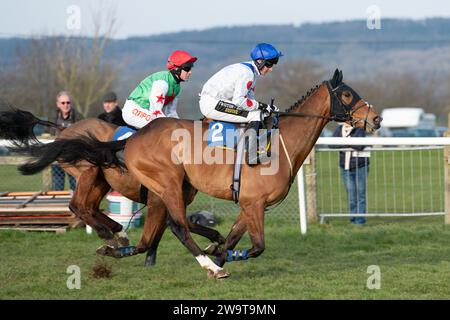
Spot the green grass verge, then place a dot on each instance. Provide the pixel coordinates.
(329, 263)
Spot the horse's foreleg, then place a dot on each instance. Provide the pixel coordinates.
(99, 190)
(180, 227)
(81, 203)
(225, 252)
(254, 218)
(89, 191)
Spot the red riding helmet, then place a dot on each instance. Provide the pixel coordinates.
(178, 58)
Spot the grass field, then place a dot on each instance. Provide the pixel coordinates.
(331, 262)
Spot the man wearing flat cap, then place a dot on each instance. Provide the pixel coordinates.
(113, 113)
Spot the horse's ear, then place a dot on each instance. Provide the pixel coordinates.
(341, 77)
(334, 80)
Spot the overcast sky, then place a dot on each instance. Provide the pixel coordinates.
(139, 18)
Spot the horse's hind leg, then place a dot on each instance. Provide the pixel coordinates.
(154, 227)
(209, 233)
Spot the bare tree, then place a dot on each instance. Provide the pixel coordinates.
(289, 81)
(80, 66)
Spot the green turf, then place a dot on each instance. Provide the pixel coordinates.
(12, 180)
(331, 262)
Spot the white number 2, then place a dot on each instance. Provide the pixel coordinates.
(216, 132)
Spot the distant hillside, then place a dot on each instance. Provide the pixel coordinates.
(401, 45)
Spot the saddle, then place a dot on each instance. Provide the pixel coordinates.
(228, 135)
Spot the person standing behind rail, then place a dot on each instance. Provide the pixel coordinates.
(354, 168)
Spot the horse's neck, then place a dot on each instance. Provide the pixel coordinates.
(301, 133)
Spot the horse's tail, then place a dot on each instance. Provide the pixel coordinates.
(17, 126)
(70, 151)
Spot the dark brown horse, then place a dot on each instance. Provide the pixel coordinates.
(93, 182)
(164, 164)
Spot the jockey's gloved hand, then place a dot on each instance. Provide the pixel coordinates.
(266, 109)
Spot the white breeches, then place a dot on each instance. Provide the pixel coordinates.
(136, 116)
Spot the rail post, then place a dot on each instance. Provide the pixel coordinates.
(447, 176)
(311, 186)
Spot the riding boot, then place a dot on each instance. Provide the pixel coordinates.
(252, 150)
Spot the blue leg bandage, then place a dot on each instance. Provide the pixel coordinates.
(236, 255)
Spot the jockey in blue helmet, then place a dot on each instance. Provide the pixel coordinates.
(229, 94)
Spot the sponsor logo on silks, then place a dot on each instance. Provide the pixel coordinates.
(232, 111)
(222, 134)
(236, 255)
(140, 114)
(122, 133)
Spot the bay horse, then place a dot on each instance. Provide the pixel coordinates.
(163, 164)
(93, 182)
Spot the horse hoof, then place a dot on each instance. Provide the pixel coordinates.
(123, 242)
(122, 239)
(220, 274)
(105, 250)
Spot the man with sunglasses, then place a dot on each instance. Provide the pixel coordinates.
(65, 117)
(229, 94)
(156, 95)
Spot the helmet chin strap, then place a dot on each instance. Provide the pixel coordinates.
(177, 74)
(261, 64)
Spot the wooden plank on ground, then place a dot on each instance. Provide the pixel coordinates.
(37, 214)
(64, 221)
(29, 193)
(39, 209)
(56, 229)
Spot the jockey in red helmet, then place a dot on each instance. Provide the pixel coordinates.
(156, 95)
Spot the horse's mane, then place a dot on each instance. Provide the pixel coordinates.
(303, 98)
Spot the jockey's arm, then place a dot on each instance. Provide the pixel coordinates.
(157, 97)
(171, 109)
(243, 96)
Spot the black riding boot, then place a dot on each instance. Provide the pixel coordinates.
(252, 150)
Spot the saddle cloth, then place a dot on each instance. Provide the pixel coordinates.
(225, 135)
(122, 133)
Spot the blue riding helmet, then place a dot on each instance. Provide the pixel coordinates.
(267, 53)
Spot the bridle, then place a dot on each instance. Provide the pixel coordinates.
(342, 112)
(339, 110)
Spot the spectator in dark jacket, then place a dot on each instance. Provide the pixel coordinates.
(113, 113)
(354, 167)
(65, 117)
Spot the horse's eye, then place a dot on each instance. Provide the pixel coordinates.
(347, 94)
